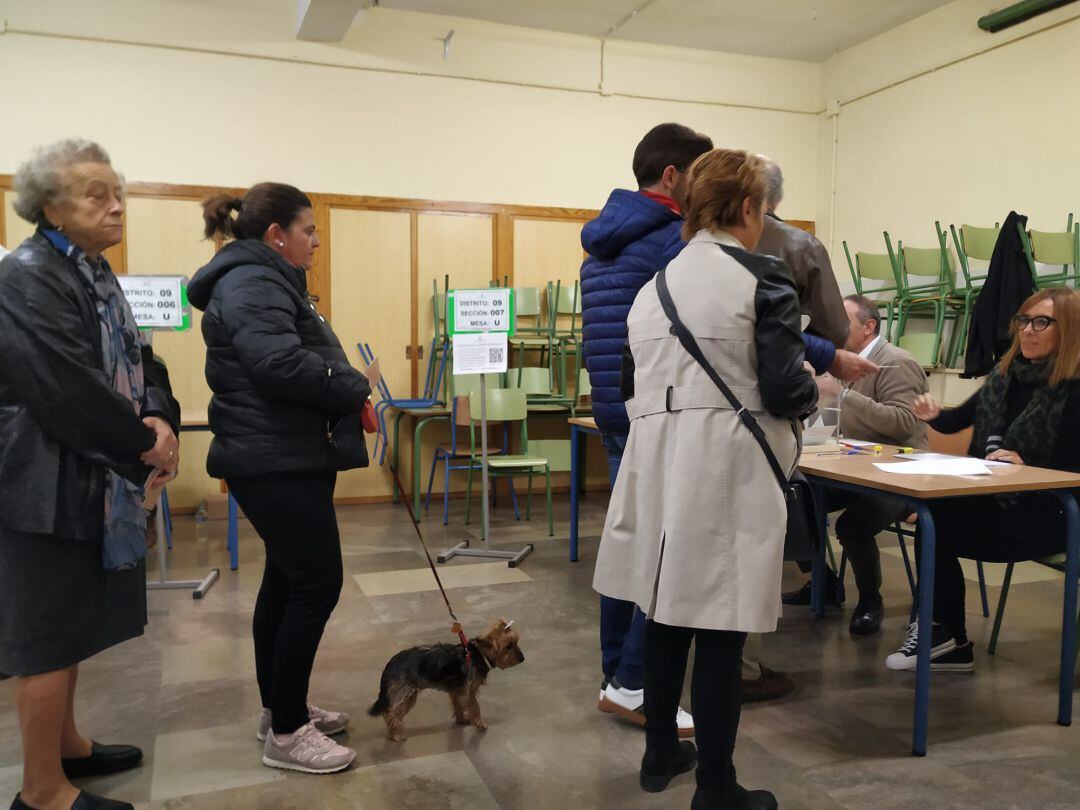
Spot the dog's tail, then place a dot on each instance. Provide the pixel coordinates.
(380, 706)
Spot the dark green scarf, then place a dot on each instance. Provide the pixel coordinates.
(1034, 432)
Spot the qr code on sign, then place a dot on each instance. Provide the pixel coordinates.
(495, 354)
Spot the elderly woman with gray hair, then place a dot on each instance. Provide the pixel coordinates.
(87, 423)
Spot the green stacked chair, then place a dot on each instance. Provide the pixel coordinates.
(1041, 247)
(970, 243)
(926, 288)
(507, 405)
(876, 267)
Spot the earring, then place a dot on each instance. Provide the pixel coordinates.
(281, 244)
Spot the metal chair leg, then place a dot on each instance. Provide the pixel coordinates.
(982, 589)
(992, 646)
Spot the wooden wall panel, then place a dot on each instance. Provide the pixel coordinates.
(370, 261)
(546, 250)
(164, 237)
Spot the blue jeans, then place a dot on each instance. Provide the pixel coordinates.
(622, 624)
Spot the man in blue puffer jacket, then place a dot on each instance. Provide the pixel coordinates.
(636, 234)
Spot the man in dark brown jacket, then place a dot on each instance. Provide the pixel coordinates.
(876, 409)
(803, 253)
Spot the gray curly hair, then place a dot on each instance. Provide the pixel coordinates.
(38, 182)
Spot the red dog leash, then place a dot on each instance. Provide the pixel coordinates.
(455, 626)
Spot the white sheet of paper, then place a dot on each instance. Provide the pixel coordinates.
(481, 353)
(945, 456)
(946, 466)
(373, 374)
(818, 434)
(856, 443)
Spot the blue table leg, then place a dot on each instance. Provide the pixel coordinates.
(575, 494)
(927, 542)
(818, 567)
(233, 542)
(1068, 627)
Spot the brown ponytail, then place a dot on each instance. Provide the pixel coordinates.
(217, 214)
(262, 206)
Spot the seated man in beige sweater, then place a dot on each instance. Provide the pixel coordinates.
(877, 409)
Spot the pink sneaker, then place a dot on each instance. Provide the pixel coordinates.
(329, 723)
(307, 750)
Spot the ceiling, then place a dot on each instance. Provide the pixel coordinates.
(809, 30)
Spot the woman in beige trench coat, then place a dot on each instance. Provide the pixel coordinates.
(695, 529)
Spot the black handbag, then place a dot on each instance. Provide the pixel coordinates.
(803, 536)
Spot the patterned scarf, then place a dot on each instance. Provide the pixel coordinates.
(1034, 432)
(125, 518)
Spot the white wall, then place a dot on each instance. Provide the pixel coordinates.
(187, 92)
(940, 120)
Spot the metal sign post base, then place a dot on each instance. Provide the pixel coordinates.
(198, 587)
(462, 549)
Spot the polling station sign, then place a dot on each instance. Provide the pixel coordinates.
(158, 302)
(472, 311)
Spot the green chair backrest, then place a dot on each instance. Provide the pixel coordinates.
(568, 299)
(977, 243)
(527, 302)
(584, 384)
(463, 385)
(920, 346)
(922, 262)
(877, 266)
(556, 451)
(1054, 248)
(503, 405)
(534, 381)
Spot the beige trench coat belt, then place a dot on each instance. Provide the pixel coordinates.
(687, 397)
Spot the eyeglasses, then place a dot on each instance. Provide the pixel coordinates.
(1039, 323)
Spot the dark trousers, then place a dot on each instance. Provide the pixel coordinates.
(294, 515)
(715, 696)
(991, 529)
(857, 527)
(622, 624)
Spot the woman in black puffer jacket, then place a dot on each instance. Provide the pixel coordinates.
(285, 415)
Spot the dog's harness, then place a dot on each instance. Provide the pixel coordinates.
(455, 625)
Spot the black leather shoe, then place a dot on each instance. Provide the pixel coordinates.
(735, 798)
(802, 595)
(85, 801)
(866, 620)
(656, 774)
(103, 759)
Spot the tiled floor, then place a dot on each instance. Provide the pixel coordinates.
(186, 693)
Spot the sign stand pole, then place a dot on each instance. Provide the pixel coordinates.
(462, 549)
(198, 587)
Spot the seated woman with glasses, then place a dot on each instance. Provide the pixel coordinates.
(1027, 412)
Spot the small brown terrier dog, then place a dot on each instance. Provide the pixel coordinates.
(444, 667)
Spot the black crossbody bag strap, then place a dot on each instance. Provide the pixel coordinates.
(691, 346)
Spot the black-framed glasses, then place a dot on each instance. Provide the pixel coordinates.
(1039, 323)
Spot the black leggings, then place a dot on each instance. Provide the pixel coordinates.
(294, 515)
(991, 529)
(715, 696)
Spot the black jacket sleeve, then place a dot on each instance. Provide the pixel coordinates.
(45, 354)
(953, 420)
(787, 389)
(158, 400)
(260, 315)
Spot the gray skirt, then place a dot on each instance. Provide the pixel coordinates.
(59, 606)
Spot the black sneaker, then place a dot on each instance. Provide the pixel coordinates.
(942, 647)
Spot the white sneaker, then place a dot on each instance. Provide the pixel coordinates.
(329, 723)
(906, 657)
(307, 750)
(685, 723)
(629, 704)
